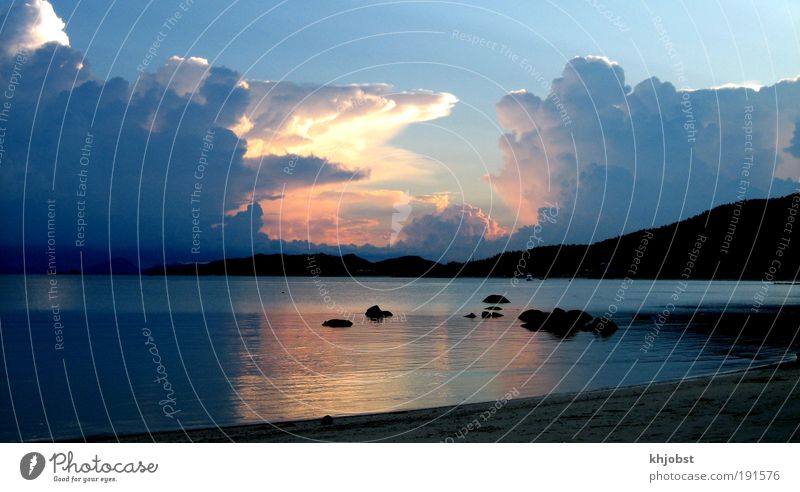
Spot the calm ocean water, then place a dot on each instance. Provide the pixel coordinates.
(126, 355)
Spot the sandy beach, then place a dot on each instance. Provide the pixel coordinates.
(757, 405)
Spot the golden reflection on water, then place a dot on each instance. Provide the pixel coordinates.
(310, 371)
(428, 354)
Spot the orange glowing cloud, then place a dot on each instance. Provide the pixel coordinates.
(333, 214)
(324, 166)
(349, 124)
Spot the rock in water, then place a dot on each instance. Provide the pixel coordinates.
(491, 314)
(327, 420)
(496, 299)
(566, 323)
(375, 313)
(533, 317)
(559, 323)
(338, 323)
(493, 308)
(578, 318)
(471, 315)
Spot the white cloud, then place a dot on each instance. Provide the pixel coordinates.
(617, 159)
(349, 123)
(455, 232)
(182, 75)
(30, 25)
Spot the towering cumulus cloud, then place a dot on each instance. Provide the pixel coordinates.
(187, 162)
(453, 232)
(613, 159)
(31, 24)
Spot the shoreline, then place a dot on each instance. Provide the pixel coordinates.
(757, 404)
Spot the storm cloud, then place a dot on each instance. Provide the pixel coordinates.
(614, 159)
(182, 164)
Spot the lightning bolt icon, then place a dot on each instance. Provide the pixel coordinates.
(32, 464)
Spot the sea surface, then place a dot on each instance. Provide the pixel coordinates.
(104, 355)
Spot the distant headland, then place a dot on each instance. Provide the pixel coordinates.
(748, 240)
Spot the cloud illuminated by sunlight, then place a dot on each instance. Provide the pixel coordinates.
(31, 25)
(349, 124)
(333, 214)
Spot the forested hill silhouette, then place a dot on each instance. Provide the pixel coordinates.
(752, 239)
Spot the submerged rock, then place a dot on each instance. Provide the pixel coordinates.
(375, 313)
(338, 323)
(496, 299)
(578, 318)
(559, 322)
(533, 317)
(491, 314)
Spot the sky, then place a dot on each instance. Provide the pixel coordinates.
(449, 130)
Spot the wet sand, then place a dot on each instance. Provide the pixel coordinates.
(757, 405)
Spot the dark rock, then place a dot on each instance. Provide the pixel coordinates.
(327, 420)
(533, 317)
(493, 308)
(491, 314)
(559, 322)
(642, 317)
(566, 323)
(375, 313)
(496, 299)
(578, 318)
(338, 323)
(471, 315)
